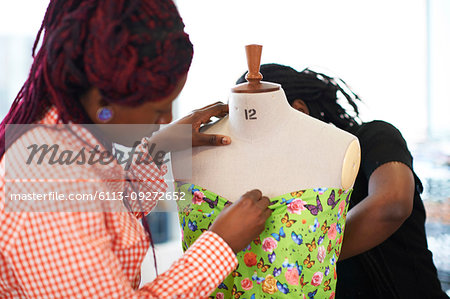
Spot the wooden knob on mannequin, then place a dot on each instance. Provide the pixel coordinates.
(254, 77)
(253, 62)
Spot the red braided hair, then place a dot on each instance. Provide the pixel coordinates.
(133, 51)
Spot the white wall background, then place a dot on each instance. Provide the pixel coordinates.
(20, 21)
(439, 68)
(377, 47)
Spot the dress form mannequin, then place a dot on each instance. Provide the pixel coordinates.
(274, 147)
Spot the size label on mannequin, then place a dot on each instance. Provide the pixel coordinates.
(250, 114)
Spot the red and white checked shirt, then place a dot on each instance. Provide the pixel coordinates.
(95, 254)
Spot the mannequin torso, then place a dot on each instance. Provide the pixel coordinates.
(274, 148)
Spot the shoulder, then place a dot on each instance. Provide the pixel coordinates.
(381, 143)
(377, 128)
(379, 134)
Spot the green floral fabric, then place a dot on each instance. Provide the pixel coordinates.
(294, 257)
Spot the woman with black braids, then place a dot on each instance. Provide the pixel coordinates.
(384, 252)
(105, 62)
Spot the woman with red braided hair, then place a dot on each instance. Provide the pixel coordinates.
(105, 62)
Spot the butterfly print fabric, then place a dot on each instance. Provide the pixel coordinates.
(294, 257)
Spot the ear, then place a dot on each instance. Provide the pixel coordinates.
(91, 102)
(300, 105)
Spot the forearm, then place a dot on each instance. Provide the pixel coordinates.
(198, 273)
(87, 255)
(172, 137)
(144, 179)
(368, 224)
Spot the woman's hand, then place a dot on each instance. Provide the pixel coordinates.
(175, 137)
(203, 116)
(243, 221)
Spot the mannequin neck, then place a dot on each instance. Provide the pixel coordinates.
(253, 116)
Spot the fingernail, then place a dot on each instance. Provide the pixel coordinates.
(225, 140)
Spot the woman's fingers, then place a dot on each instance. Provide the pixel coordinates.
(211, 105)
(243, 221)
(200, 139)
(203, 115)
(254, 195)
(267, 213)
(264, 202)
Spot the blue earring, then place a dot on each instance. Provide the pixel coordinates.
(104, 114)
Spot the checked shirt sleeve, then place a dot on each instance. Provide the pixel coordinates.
(145, 181)
(69, 255)
(198, 273)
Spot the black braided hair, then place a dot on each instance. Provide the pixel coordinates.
(319, 92)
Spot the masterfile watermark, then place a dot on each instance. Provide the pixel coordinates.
(102, 196)
(93, 168)
(93, 156)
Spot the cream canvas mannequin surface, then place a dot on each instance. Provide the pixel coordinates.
(274, 148)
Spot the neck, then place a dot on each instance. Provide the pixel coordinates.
(254, 116)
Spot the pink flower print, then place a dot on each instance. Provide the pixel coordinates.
(332, 232)
(220, 295)
(246, 284)
(321, 253)
(292, 276)
(198, 197)
(296, 206)
(332, 295)
(342, 207)
(269, 244)
(317, 278)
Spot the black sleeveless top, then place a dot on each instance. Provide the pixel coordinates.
(401, 266)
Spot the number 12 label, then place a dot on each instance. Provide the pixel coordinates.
(250, 114)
